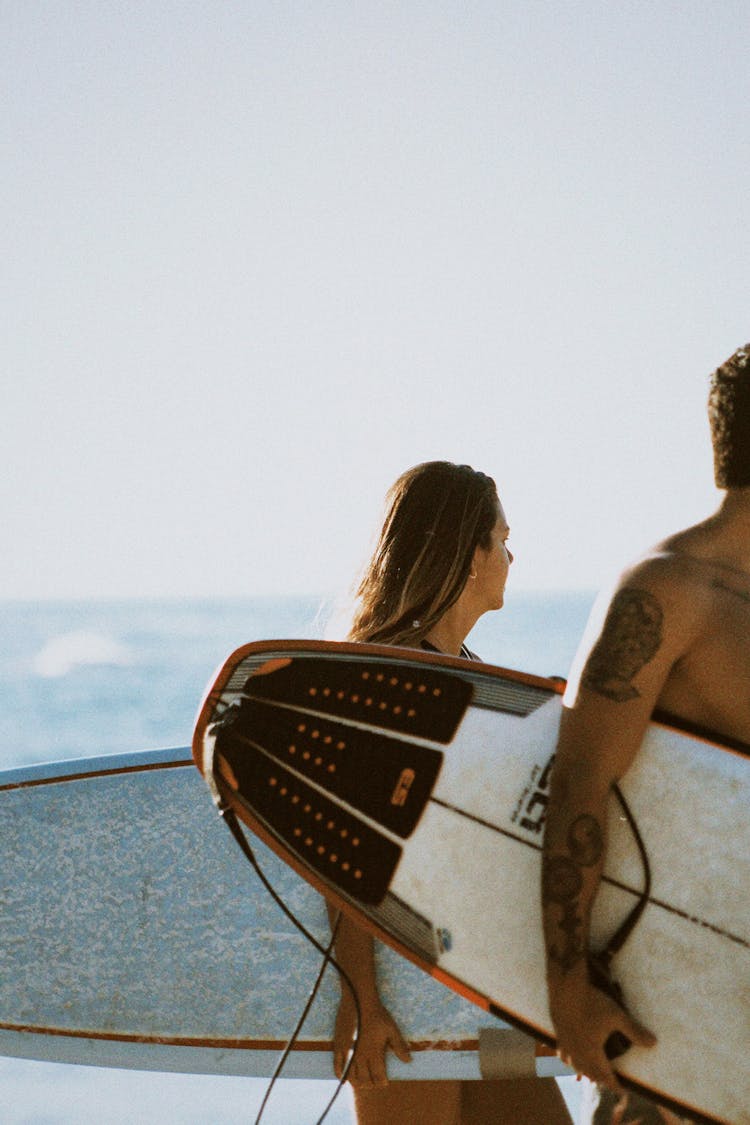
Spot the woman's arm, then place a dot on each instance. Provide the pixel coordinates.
(378, 1033)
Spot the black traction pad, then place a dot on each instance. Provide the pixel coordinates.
(344, 850)
(386, 779)
(417, 700)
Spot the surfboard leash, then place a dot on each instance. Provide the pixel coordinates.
(599, 964)
(297, 1030)
(616, 942)
(228, 815)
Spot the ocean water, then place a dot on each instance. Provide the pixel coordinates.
(95, 677)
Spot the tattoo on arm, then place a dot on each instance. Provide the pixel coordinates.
(585, 840)
(562, 882)
(631, 636)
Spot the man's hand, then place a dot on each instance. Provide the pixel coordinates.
(378, 1034)
(584, 1018)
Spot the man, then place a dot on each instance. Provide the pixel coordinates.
(673, 635)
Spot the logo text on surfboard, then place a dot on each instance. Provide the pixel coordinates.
(531, 808)
(403, 785)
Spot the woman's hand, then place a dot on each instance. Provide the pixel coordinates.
(378, 1034)
(378, 1031)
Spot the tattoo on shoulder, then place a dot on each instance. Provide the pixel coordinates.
(743, 595)
(631, 636)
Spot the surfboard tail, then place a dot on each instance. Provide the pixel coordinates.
(332, 758)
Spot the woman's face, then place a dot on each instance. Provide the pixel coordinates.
(492, 566)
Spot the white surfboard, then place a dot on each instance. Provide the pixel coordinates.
(134, 934)
(412, 788)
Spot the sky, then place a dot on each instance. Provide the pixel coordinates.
(258, 258)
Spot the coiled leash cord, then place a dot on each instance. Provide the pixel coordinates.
(230, 819)
(599, 964)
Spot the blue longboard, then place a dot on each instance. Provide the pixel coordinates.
(134, 934)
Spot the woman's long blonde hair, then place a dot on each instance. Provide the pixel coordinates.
(436, 515)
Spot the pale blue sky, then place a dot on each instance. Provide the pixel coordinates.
(257, 258)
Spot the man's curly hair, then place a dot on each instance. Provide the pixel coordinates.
(729, 417)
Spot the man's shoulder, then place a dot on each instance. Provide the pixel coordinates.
(685, 593)
(676, 572)
(667, 588)
(668, 574)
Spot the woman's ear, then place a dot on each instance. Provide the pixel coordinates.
(476, 561)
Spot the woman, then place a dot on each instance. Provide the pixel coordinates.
(442, 560)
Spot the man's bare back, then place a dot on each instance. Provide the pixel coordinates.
(710, 684)
(694, 591)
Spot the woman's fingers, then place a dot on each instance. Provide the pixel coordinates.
(399, 1046)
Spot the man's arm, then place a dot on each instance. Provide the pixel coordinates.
(615, 684)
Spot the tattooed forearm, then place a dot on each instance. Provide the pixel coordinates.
(562, 883)
(630, 638)
(585, 840)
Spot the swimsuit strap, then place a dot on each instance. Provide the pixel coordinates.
(466, 653)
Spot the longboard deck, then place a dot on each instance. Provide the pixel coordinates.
(134, 934)
(411, 789)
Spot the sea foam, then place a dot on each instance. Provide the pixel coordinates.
(61, 655)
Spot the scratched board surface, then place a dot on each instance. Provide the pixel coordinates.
(133, 933)
(456, 886)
